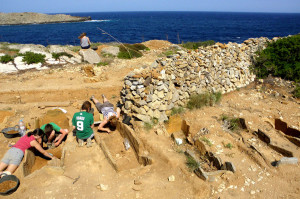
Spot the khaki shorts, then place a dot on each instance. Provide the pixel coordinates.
(13, 156)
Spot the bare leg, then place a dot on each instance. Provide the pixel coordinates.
(3, 166)
(11, 168)
(94, 100)
(118, 112)
(104, 99)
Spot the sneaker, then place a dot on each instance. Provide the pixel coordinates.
(92, 98)
(89, 142)
(80, 143)
(103, 96)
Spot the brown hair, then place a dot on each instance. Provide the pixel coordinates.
(48, 129)
(113, 121)
(86, 106)
(82, 35)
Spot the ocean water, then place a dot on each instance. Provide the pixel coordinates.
(176, 27)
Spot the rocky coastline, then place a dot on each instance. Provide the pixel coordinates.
(37, 18)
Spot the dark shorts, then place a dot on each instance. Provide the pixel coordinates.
(86, 47)
(99, 106)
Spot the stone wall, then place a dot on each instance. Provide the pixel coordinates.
(169, 82)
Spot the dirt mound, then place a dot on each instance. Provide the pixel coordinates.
(157, 44)
(56, 116)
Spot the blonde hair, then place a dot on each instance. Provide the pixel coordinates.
(113, 121)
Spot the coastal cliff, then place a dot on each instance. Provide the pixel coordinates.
(37, 18)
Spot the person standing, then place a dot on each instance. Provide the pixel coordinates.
(83, 123)
(84, 41)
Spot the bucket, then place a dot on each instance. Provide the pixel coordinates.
(11, 132)
(5, 182)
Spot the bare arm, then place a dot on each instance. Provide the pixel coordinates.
(101, 126)
(50, 138)
(118, 113)
(64, 132)
(35, 144)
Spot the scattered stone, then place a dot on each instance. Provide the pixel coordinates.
(102, 187)
(171, 178)
(137, 182)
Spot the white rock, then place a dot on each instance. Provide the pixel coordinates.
(171, 178)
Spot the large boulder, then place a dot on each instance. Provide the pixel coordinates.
(90, 56)
(111, 50)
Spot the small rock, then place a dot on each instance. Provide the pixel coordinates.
(102, 187)
(171, 178)
(137, 182)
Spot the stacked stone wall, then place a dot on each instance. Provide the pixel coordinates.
(169, 82)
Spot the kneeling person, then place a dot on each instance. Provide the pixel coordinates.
(54, 132)
(83, 123)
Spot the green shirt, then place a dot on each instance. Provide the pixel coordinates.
(55, 127)
(83, 121)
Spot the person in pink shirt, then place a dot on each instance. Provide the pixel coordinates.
(15, 154)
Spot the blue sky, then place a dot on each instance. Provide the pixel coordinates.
(67, 6)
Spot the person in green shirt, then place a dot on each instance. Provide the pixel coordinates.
(54, 134)
(83, 123)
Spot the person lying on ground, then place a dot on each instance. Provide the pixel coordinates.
(55, 134)
(15, 154)
(109, 115)
(83, 123)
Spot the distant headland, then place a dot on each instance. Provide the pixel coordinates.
(37, 18)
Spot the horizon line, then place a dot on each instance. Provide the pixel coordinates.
(271, 12)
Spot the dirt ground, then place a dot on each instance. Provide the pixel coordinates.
(87, 173)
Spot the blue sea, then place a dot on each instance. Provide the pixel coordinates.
(176, 27)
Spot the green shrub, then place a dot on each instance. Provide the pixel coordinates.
(31, 58)
(102, 63)
(177, 110)
(232, 123)
(75, 48)
(195, 45)
(107, 55)
(191, 163)
(6, 58)
(205, 99)
(296, 91)
(280, 59)
(149, 125)
(57, 55)
(128, 51)
(207, 141)
(228, 146)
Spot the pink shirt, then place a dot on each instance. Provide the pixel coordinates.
(24, 142)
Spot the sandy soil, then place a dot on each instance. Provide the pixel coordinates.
(32, 94)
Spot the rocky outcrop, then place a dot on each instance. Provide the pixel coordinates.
(18, 64)
(170, 81)
(37, 18)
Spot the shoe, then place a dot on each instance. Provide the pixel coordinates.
(92, 98)
(80, 143)
(89, 142)
(103, 96)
